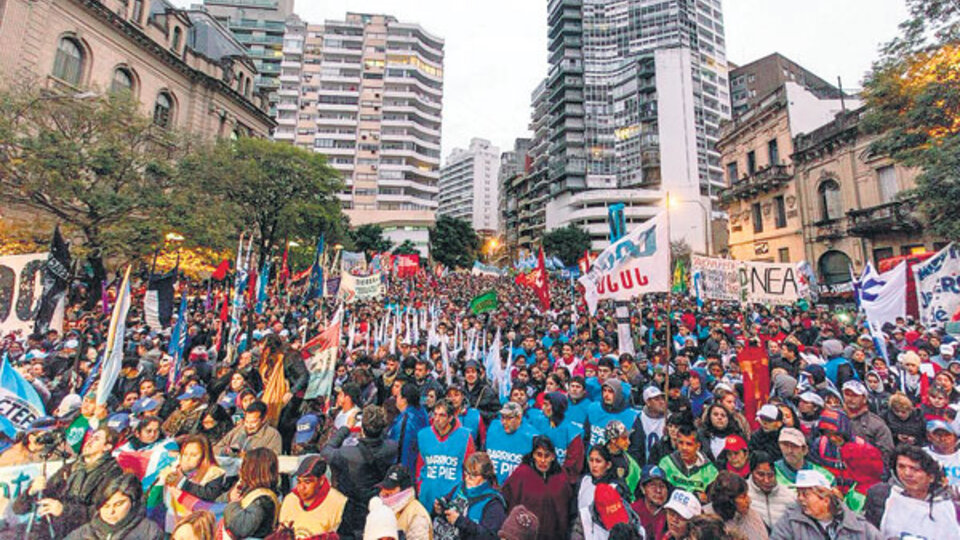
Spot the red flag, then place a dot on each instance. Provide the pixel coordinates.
(224, 317)
(407, 265)
(755, 368)
(537, 280)
(252, 285)
(284, 269)
(584, 262)
(220, 273)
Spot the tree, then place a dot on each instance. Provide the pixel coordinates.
(454, 243)
(94, 163)
(282, 191)
(913, 106)
(406, 248)
(569, 243)
(369, 238)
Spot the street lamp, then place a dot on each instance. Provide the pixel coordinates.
(673, 202)
(173, 237)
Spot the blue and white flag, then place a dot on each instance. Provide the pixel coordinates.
(262, 280)
(883, 297)
(316, 272)
(113, 353)
(178, 340)
(19, 401)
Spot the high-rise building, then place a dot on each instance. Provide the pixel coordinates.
(366, 92)
(469, 186)
(634, 99)
(752, 82)
(513, 165)
(259, 25)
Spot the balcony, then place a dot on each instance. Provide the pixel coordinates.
(827, 230)
(762, 181)
(895, 217)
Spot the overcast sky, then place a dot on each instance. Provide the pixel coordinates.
(495, 52)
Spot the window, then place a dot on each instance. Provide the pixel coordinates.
(887, 183)
(163, 110)
(757, 218)
(781, 209)
(751, 162)
(177, 38)
(834, 268)
(773, 152)
(880, 254)
(68, 62)
(137, 13)
(783, 255)
(831, 205)
(122, 80)
(732, 174)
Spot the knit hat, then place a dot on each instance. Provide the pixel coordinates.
(521, 524)
(614, 430)
(381, 521)
(834, 420)
(832, 348)
(609, 506)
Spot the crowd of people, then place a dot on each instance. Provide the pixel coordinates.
(574, 435)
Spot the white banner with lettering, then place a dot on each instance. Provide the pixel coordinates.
(938, 287)
(354, 288)
(20, 288)
(719, 279)
(750, 281)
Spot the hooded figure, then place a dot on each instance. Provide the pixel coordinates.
(565, 436)
(877, 395)
(612, 405)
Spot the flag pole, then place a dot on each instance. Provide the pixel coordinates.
(669, 353)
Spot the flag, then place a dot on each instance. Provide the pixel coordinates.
(220, 273)
(224, 321)
(19, 400)
(636, 264)
(756, 381)
(583, 263)
(883, 297)
(316, 272)
(484, 302)
(113, 353)
(284, 269)
(158, 300)
(536, 279)
(262, 283)
(407, 265)
(679, 278)
(56, 278)
(320, 355)
(178, 340)
(491, 361)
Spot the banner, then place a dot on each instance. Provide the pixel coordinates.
(20, 288)
(352, 261)
(484, 303)
(719, 279)
(938, 287)
(407, 265)
(772, 283)
(883, 296)
(480, 269)
(755, 367)
(56, 278)
(320, 356)
(636, 264)
(353, 288)
(158, 300)
(537, 280)
(113, 353)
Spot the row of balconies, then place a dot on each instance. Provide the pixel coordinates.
(763, 180)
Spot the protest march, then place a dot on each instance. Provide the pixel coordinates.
(373, 396)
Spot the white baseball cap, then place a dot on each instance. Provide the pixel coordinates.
(810, 478)
(684, 503)
(812, 397)
(651, 392)
(856, 387)
(769, 412)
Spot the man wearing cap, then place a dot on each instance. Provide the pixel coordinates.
(809, 405)
(410, 420)
(765, 439)
(793, 447)
(863, 422)
(253, 432)
(820, 513)
(654, 492)
(397, 493)
(313, 507)
(305, 438)
(647, 429)
(508, 440)
(943, 448)
(680, 509)
(186, 419)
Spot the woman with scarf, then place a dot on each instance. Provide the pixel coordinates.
(600, 471)
(878, 397)
(474, 508)
(216, 422)
(540, 485)
(566, 438)
(120, 514)
(714, 430)
(915, 382)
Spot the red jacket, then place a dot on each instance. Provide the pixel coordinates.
(548, 499)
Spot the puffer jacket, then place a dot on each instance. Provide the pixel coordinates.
(144, 529)
(795, 525)
(913, 425)
(771, 506)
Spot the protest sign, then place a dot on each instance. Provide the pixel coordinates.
(353, 288)
(772, 283)
(20, 288)
(719, 279)
(938, 287)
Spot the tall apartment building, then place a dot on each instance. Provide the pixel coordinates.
(750, 83)
(635, 95)
(513, 163)
(366, 92)
(469, 186)
(259, 25)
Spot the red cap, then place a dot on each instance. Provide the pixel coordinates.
(735, 443)
(610, 506)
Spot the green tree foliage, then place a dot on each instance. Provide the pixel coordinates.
(454, 243)
(279, 190)
(93, 163)
(369, 238)
(406, 248)
(569, 243)
(913, 106)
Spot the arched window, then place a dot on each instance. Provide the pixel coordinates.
(68, 62)
(122, 80)
(177, 38)
(137, 13)
(831, 204)
(834, 267)
(163, 110)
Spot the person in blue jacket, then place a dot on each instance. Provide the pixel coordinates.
(408, 423)
(442, 449)
(578, 402)
(566, 438)
(508, 440)
(468, 416)
(612, 406)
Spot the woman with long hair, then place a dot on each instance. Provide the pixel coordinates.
(253, 508)
(729, 500)
(195, 526)
(717, 424)
(196, 472)
(540, 485)
(216, 423)
(120, 514)
(475, 507)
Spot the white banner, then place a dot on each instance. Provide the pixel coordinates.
(938, 287)
(636, 264)
(883, 297)
(354, 288)
(20, 288)
(719, 278)
(773, 283)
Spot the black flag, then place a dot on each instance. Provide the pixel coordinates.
(56, 278)
(158, 301)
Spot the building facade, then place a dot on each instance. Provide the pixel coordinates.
(367, 92)
(259, 25)
(469, 187)
(750, 83)
(635, 96)
(185, 68)
(762, 202)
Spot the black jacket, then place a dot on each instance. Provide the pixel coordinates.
(766, 441)
(484, 399)
(295, 371)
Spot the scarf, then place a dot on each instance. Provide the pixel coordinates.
(120, 529)
(322, 493)
(398, 500)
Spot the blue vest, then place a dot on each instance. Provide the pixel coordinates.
(577, 412)
(442, 462)
(599, 418)
(470, 419)
(416, 419)
(561, 436)
(506, 450)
